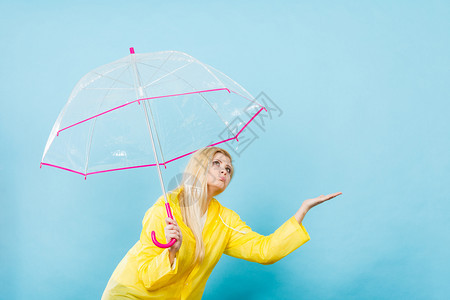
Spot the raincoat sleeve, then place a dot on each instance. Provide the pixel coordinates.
(154, 268)
(249, 245)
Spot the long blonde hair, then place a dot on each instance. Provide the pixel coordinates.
(194, 191)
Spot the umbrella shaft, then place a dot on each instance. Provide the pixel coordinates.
(140, 92)
(154, 152)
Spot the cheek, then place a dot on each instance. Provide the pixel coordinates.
(210, 178)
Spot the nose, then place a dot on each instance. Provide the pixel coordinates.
(223, 171)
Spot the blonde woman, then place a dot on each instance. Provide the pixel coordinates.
(204, 230)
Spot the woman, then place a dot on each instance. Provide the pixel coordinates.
(204, 229)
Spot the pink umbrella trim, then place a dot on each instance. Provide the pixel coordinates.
(139, 100)
(150, 165)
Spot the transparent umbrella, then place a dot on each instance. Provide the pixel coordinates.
(147, 110)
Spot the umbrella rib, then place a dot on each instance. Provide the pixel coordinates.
(89, 145)
(126, 83)
(172, 72)
(138, 100)
(99, 75)
(108, 88)
(153, 120)
(209, 71)
(91, 135)
(224, 122)
(200, 95)
(237, 85)
(149, 84)
(254, 101)
(171, 54)
(165, 82)
(226, 125)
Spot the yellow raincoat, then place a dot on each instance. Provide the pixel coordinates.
(145, 272)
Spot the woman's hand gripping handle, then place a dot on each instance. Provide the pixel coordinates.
(172, 232)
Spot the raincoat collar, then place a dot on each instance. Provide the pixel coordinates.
(212, 213)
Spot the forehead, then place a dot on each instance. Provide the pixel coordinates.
(222, 157)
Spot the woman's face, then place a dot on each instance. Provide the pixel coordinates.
(219, 174)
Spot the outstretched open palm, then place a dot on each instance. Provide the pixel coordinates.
(310, 203)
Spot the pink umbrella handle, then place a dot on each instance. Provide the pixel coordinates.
(155, 241)
(172, 241)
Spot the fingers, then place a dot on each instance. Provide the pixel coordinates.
(323, 198)
(173, 235)
(171, 221)
(330, 196)
(172, 224)
(172, 230)
(334, 195)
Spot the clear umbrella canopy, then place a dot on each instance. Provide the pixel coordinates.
(105, 125)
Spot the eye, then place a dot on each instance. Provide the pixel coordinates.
(228, 170)
(216, 162)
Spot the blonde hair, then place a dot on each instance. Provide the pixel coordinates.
(194, 191)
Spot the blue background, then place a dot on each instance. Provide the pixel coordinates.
(363, 94)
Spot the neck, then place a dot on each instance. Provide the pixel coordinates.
(206, 207)
(208, 200)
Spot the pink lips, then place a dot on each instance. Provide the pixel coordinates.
(222, 178)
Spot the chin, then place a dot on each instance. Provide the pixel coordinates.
(215, 190)
(218, 191)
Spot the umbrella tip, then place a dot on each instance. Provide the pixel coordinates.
(132, 50)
